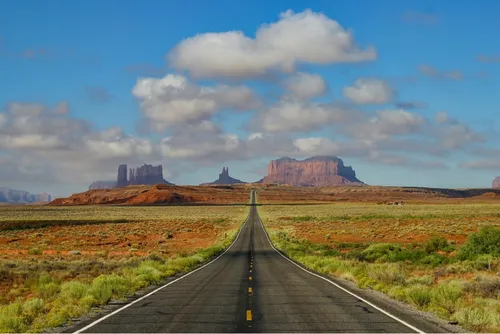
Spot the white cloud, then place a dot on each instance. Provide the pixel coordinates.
(59, 148)
(369, 91)
(305, 37)
(306, 86)
(213, 147)
(291, 115)
(386, 124)
(173, 100)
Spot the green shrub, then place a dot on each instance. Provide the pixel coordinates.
(35, 251)
(486, 241)
(74, 290)
(32, 308)
(435, 244)
(105, 287)
(422, 280)
(148, 274)
(386, 273)
(11, 319)
(484, 262)
(48, 290)
(446, 295)
(418, 295)
(380, 251)
(434, 260)
(475, 318)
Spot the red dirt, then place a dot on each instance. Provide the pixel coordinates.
(268, 194)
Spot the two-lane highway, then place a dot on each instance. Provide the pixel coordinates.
(251, 288)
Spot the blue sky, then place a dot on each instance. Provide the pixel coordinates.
(439, 57)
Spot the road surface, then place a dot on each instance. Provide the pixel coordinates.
(253, 288)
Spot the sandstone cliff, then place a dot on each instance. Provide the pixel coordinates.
(224, 178)
(496, 182)
(315, 171)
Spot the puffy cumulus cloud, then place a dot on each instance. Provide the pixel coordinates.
(305, 37)
(454, 134)
(306, 86)
(292, 115)
(369, 91)
(55, 146)
(386, 124)
(173, 100)
(325, 146)
(437, 74)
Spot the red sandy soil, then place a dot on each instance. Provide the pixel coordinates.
(137, 238)
(267, 194)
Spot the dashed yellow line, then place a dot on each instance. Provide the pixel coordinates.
(249, 315)
(250, 291)
(250, 270)
(249, 278)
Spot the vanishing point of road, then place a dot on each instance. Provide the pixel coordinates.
(253, 288)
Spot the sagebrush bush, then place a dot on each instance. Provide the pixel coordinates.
(475, 318)
(485, 286)
(446, 295)
(418, 295)
(435, 244)
(74, 290)
(386, 273)
(484, 242)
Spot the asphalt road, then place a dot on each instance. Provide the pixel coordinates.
(252, 288)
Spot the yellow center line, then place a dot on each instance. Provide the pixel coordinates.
(250, 278)
(250, 270)
(249, 315)
(250, 291)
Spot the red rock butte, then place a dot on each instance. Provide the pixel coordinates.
(315, 171)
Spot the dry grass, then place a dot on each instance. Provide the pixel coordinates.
(413, 253)
(106, 252)
(366, 222)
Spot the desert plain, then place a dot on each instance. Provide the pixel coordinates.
(437, 250)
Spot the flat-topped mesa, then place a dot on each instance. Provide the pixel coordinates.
(224, 178)
(314, 171)
(496, 183)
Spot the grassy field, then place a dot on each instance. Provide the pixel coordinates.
(56, 263)
(443, 259)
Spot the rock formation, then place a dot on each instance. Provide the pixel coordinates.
(8, 195)
(315, 171)
(496, 183)
(224, 178)
(146, 174)
(121, 180)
